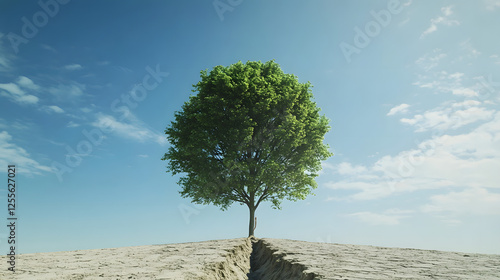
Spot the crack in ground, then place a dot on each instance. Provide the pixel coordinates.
(256, 259)
(268, 263)
(254, 264)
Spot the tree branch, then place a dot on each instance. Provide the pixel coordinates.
(243, 199)
(263, 196)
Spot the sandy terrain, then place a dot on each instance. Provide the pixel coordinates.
(172, 261)
(339, 261)
(264, 259)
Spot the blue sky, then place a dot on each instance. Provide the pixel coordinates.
(411, 88)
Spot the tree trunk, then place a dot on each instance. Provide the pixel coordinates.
(252, 220)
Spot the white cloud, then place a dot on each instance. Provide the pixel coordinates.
(12, 88)
(408, 3)
(327, 165)
(48, 48)
(364, 190)
(403, 22)
(495, 58)
(472, 201)
(15, 93)
(53, 109)
(67, 92)
(440, 20)
(345, 168)
(15, 124)
(27, 83)
(396, 211)
(441, 81)
(402, 108)
(72, 124)
(4, 62)
(457, 76)
(430, 60)
(13, 154)
(475, 52)
(132, 129)
(465, 92)
(86, 110)
(72, 67)
(446, 11)
(467, 46)
(492, 4)
(5, 59)
(383, 179)
(448, 118)
(468, 160)
(414, 120)
(28, 99)
(458, 85)
(429, 30)
(143, 156)
(466, 104)
(378, 219)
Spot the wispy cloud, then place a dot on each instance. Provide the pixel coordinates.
(389, 217)
(12, 88)
(451, 117)
(67, 92)
(402, 108)
(16, 91)
(72, 67)
(466, 104)
(27, 83)
(130, 128)
(430, 60)
(495, 58)
(467, 92)
(12, 154)
(345, 168)
(492, 4)
(468, 161)
(88, 109)
(444, 19)
(15, 124)
(404, 22)
(72, 124)
(53, 109)
(469, 49)
(48, 48)
(452, 114)
(471, 201)
(5, 58)
(443, 82)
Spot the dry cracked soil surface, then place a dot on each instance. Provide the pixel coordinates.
(256, 259)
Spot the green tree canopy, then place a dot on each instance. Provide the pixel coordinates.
(251, 134)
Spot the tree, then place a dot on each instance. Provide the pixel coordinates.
(251, 134)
